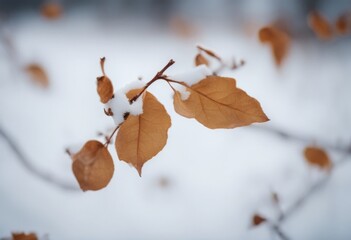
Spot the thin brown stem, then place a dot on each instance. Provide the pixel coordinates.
(102, 65)
(159, 75)
(108, 139)
(170, 85)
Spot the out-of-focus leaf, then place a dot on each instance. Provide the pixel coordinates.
(257, 220)
(320, 25)
(37, 74)
(343, 24)
(278, 40)
(51, 10)
(317, 157)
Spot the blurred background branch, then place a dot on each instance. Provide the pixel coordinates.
(35, 171)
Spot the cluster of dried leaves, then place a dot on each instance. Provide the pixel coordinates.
(279, 40)
(215, 102)
(326, 30)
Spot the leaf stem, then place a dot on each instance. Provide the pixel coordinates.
(108, 140)
(159, 75)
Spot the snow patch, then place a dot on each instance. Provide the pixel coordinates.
(120, 105)
(194, 76)
(184, 93)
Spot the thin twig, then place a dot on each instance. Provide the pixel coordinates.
(158, 76)
(300, 138)
(277, 230)
(311, 191)
(108, 140)
(33, 169)
(303, 199)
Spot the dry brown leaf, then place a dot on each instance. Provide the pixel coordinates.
(142, 137)
(93, 166)
(104, 89)
(317, 157)
(278, 40)
(37, 74)
(181, 107)
(104, 85)
(343, 24)
(210, 53)
(51, 10)
(200, 59)
(216, 102)
(257, 220)
(320, 25)
(23, 236)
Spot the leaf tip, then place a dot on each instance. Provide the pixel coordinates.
(139, 169)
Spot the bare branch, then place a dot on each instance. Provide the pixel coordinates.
(159, 75)
(27, 164)
(314, 188)
(303, 199)
(346, 149)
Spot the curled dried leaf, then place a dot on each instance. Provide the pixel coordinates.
(278, 40)
(216, 102)
(210, 53)
(141, 137)
(104, 89)
(257, 220)
(93, 166)
(24, 236)
(37, 74)
(320, 25)
(51, 10)
(317, 157)
(200, 59)
(104, 85)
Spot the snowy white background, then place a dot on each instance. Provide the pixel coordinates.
(217, 178)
